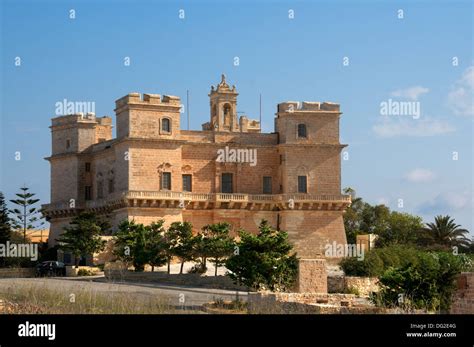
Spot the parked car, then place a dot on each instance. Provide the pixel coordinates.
(51, 268)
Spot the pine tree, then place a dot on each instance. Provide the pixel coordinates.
(26, 216)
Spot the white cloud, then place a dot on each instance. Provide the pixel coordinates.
(461, 96)
(412, 93)
(420, 175)
(447, 202)
(395, 127)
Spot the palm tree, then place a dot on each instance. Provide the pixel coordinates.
(445, 232)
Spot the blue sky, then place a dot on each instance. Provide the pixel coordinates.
(407, 59)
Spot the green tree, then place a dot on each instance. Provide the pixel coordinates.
(446, 233)
(264, 261)
(5, 227)
(352, 216)
(378, 260)
(180, 242)
(403, 228)
(391, 227)
(133, 244)
(363, 218)
(156, 245)
(26, 216)
(218, 244)
(83, 236)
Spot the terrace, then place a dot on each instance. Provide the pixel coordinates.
(202, 201)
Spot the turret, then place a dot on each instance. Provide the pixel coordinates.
(148, 116)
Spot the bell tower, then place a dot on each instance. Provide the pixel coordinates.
(223, 100)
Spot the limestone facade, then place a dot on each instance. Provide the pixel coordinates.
(154, 170)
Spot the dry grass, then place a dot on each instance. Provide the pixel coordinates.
(41, 300)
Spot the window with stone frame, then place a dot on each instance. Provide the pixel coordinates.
(166, 125)
(187, 183)
(302, 184)
(227, 183)
(267, 184)
(166, 180)
(302, 130)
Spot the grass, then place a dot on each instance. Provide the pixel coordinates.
(41, 300)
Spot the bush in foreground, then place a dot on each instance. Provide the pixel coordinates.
(264, 261)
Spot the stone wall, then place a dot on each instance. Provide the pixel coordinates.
(71, 271)
(310, 231)
(363, 285)
(304, 303)
(464, 298)
(344, 284)
(312, 276)
(17, 272)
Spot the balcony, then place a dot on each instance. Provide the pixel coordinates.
(203, 201)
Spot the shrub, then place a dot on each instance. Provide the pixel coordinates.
(264, 261)
(378, 260)
(428, 283)
(85, 272)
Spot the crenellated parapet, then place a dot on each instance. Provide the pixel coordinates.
(307, 106)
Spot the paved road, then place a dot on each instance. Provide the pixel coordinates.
(193, 297)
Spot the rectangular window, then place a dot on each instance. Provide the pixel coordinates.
(226, 183)
(187, 183)
(302, 184)
(301, 130)
(88, 192)
(68, 144)
(88, 167)
(165, 125)
(166, 180)
(111, 185)
(267, 185)
(100, 190)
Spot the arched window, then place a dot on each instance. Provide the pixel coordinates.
(166, 125)
(227, 109)
(301, 130)
(227, 114)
